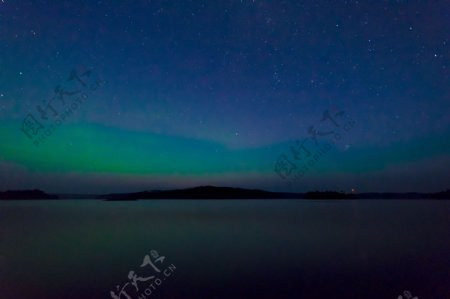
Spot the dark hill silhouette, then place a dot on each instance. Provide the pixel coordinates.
(204, 192)
(408, 195)
(26, 194)
(212, 192)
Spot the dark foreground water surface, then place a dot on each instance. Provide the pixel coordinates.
(225, 249)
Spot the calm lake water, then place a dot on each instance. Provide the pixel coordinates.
(225, 249)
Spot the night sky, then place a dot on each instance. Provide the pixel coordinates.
(110, 96)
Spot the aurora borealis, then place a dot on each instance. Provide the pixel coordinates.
(213, 92)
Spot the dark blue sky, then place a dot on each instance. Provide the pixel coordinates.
(215, 92)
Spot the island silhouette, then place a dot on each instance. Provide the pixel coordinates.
(220, 193)
(213, 192)
(26, 194)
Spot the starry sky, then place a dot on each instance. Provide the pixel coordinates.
(118, 96)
